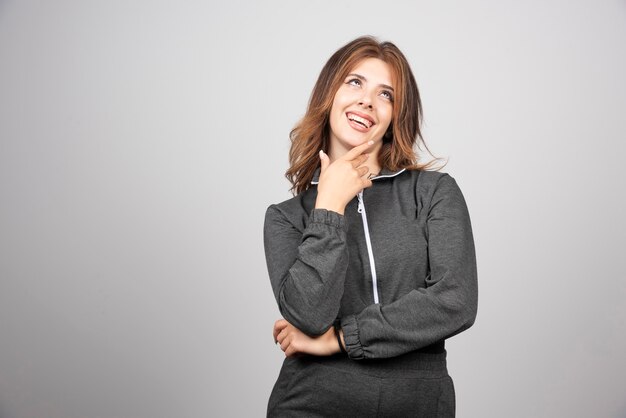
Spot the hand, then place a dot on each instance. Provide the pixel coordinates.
(293, 341)
(340, 181)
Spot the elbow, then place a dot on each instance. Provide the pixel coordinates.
(311, 314)
(470, 318)
(464, 302)
(315, 329)
(460, 310)
(473, 307)
(313, 322)
(311, 325)
(467, 313)
(470, 309)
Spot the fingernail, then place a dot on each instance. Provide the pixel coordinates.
(370, 142)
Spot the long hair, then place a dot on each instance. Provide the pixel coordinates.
(312, 132)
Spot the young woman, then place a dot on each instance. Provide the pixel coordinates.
(372, 262)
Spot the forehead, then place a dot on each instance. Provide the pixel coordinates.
(374, 70)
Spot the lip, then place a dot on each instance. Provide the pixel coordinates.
(362, 115)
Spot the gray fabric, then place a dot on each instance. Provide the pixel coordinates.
(310, 386)
(424, 255)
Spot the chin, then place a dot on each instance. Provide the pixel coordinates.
(356, 140)
(352, 139)
(351, 143)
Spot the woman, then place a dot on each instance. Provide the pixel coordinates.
(372, 262)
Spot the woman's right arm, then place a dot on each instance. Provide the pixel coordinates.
(307, 268)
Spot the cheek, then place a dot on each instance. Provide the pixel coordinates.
(335, 120)
(335, 110)
(386, 117)
(341, 101)
(335, 114)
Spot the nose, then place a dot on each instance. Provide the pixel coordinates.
(366, 101)
(367, 104)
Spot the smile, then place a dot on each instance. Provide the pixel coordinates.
(362, 120)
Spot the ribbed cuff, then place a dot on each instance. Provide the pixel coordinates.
(327, 217)
(351, 337)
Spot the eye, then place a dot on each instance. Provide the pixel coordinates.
(387, 95)
(354, 82)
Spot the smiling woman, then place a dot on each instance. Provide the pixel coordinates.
(387, 63)
(362, 107)
(372, 263)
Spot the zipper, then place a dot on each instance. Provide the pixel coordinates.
(370, 253)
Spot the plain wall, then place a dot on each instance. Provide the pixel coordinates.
(141, 142)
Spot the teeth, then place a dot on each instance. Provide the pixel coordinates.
(361, 120)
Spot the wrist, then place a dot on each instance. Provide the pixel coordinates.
(342, 343)
(338, 332)
(329, 205)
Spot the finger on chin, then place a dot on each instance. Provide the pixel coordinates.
(361, 159)
(359, 149)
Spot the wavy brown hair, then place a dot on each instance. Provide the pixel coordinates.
(401, 140)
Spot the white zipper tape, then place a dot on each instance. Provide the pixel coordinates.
(370, 253)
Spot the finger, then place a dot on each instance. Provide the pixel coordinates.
(367, 183)
(363, 171)
(358, 150)
(275, 330)
(324, 160)
(284, 344)
(291, 349)
(279, 326)
(360, 160)
(281, 336)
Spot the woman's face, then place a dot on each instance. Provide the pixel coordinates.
(362, 106)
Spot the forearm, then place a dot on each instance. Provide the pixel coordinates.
(410, 323)
(310, 300)
(307, 269)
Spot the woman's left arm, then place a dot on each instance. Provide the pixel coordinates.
(448, 304)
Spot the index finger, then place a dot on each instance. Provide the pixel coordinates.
(279, 326)
(358, 150)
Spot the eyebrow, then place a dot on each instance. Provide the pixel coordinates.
(359, 76)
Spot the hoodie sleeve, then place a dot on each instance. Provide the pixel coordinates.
(445, 307)
(307, 268)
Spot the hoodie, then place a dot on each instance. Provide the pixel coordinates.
(398, 268)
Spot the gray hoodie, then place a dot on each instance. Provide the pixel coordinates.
(398, 268)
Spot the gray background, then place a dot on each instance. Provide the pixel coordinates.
(141, 141)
